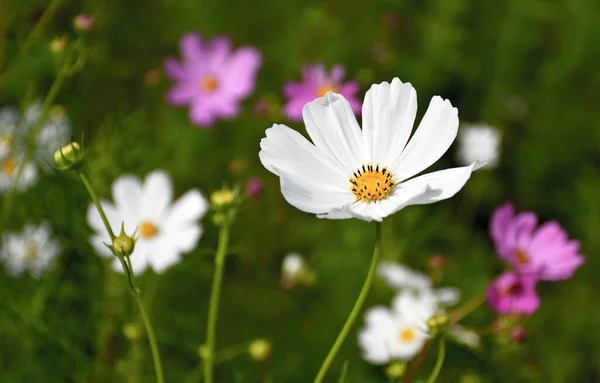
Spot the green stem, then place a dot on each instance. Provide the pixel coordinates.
(355, 311)
(467, 308)
(213, 308)
(440, 361)
(151, 339)
(3, 29)
(96, 201)
(131, 278)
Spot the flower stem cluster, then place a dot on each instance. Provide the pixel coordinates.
(225, 203)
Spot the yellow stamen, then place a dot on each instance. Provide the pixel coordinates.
(9, 166)
(31, 252)
(147, 230)
(371, 183)
(208, 83)
(522, 257)
(323, 89)
(407, 335)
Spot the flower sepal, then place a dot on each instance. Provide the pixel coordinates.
(123, 245)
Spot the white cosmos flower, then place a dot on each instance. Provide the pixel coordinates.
(32, 249)
(165, 229)
(10, 166)
(479, 142)
(53, 133)
(399, 333)
(367, 174)
(293, 265)
(9, 119)
(400, 277)
(464, 335)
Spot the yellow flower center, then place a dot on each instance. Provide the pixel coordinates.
(323, 89)
(208, 83)
(31, 252)
(9, 166)
(147, 230)
(521, 257)
(371, 183)
(407, 335)
(6, 139)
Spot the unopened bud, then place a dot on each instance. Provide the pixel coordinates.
(259, 349)
(254, 188)
(438, 324)
(396, 370)
(123, 245)
(68, 156)
(58, 44)
(222, 198)
(518, 335)
(131, 331)
(203, 351)
(437, 261)
(152, 77)
(83, 22)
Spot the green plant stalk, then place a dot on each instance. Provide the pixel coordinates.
(355, 310)
(126, 264)
(213, 309)
(440, 360)
(3, 29)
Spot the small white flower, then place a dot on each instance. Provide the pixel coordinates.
(400, 277)
(399, 333)
(165, 230)
(53, 134)
(9, 119)
(10, 167)
(33, 249)
(292, 267)
(479, 142)
(365, 173)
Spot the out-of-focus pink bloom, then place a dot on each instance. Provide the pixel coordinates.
(84, 22)
(511, 293)
(544, 252)
(211, 78)
(316, 82)
(254, 187)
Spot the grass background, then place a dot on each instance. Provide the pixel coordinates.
(528, 67)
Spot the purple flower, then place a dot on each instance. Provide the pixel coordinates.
(254, 187)
(211, 78)
(511, 293)
(316, 82)
(544, 252)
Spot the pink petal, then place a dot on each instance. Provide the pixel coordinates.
(337, 74)
(202, 114)
(293, 108)
(240, 71)
(181, 94)
(218, 50)
(175, 70)
(191, 48)
(499, 223)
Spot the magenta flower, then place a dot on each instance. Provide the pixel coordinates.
(545, 252)
(316, 82)
(254, 187)
(511, 293)
(211, 78)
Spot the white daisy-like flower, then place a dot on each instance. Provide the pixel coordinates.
(165, 229)
(10, 167)
(400, 277)
(367, 174)
(465, 336)
(293, 265)
(9, 120)
(479, 142)
(53, 134)
(399, 333)
(32, 249)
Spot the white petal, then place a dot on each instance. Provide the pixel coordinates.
(187, 209)
(97, 241)
(310, 180)
(157, 193)
(448, 296)
(95, 221)
(164, 256)
(342, 213)
(333, 128)
(185, 238)
(127, 192)
(433, 137)
(388, 113)
(399, 276)
(445, 183)
(140, 257)
(380, 318)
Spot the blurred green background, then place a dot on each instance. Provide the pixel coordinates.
(528, 67)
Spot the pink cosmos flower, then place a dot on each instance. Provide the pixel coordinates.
(316, 82)
(544, 252)
(211, 78)
(511, 293)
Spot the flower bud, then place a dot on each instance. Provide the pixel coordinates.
(259, 349)
(152, 77)
(123, 245)
(58, 44)
(254, 188)
(203, 351)
(396, 370)
(131, 331)
(438, 324)
(518, 335)
(68, 156)
(436, 261)
(222, 198)
(83, 22)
